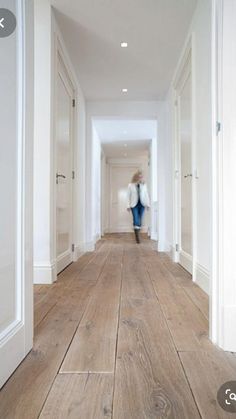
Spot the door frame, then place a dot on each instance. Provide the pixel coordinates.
(61, 60)
(222, 284)
(118, 165)
(181, 75)
(17, 339)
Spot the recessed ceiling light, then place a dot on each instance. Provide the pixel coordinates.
(124, 44)
(125, 90)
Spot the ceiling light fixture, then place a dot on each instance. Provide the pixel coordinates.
(125, 90)
(124, 44)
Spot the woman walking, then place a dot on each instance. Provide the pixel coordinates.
(138, 200)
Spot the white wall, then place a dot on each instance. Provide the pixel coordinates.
(200, 30)
(47, 38)
(96, 186)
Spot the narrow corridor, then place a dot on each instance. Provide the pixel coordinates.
(121, 334)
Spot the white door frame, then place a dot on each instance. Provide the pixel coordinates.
(223, 280)
(111, 165)
(188, 55)
(60, 60)
(17, 339)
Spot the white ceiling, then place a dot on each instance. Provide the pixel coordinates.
(113, 130)
(125, 138)
(154, 29)
(126, 150)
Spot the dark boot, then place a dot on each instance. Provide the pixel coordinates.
(136, 231)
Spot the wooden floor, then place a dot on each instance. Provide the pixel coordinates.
(122, 334)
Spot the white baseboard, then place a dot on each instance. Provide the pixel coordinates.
(154, 235)
(164, 246)
(186, 261)
(79, 251)
(89, 246)
(202, 278)
(45, 273)
(64, 260)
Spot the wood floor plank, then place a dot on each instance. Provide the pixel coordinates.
(137, 283)
(24, 394)
(149, 380)
(94, 344)
(200, 298)
(80, 396)
(206, 372)
(188, 326)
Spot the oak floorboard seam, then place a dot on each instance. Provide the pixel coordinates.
(189, 384)
(117, 334)
(58, 371)
(176, 350)
(88, 301)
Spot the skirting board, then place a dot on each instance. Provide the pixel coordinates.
(79, 251)
(89, 246)
(203, 278)
(44, 274)
(186, 261)
(164, 246)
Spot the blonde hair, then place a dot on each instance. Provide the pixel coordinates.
(136, 176)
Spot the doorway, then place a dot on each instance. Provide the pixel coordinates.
(184, 175)
(64, 166)
(120, 177)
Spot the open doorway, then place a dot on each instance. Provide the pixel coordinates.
(126, 146)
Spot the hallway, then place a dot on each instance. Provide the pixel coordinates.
(122, 334)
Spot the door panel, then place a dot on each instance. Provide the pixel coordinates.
(64, 171)
(185, 190)
(16, 297)
(186, 168)
(120, 218)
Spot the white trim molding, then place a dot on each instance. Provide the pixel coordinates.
(202, 278)
(223, 284)
(45, 273)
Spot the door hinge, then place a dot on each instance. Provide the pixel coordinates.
(177, 247)
(73, 103)
(73, 174)
(73, 247)
(218, 127)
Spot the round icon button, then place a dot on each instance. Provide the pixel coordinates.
(226, 396)
(7, 23)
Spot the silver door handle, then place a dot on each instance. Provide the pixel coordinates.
(189, 175)
(59, 175)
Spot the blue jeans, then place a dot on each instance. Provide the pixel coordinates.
(137, 212)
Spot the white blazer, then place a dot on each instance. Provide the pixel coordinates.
(133, 195)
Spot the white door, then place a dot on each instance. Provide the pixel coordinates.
(16, 283)
(64, 136)
(120, 218)
(185, 154)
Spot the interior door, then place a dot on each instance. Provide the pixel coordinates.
(64, 135)
(185, 142)
(16, 283)
(120, 218)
